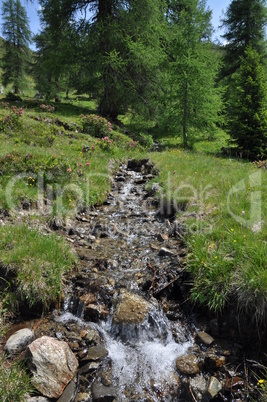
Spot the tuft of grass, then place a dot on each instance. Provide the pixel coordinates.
(35, 265)
(15, 383)
(225, 216)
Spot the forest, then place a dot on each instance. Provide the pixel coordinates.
(136, 94)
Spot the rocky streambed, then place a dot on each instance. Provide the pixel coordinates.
(124, 330)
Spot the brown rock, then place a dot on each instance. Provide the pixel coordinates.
(131, 309)
(188, 364)
(88, 298)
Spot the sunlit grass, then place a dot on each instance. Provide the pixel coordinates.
(227, 230)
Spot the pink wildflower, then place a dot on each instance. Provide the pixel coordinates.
(69, 170)
(93, 147)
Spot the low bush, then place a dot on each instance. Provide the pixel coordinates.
(96, 126)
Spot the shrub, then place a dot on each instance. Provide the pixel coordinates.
(95, 125)
(10, 117)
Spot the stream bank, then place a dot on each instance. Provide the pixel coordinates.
(125, 315)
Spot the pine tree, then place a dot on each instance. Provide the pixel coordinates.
(16, 32)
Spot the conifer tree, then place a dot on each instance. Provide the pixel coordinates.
(193, 99)
(244, 72)
(248, 115)
(17, 35)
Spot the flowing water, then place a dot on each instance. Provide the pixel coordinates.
(143, 354)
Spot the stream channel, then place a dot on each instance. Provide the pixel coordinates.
(124, 311)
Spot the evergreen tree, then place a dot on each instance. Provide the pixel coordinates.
(248, 117)
(194, 101)
(16, 32)
(244, 22)
(116, 52)
(244, 72)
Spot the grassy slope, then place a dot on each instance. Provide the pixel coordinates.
(224, 198)
(44, 165)
(226, 234)
(226, 227)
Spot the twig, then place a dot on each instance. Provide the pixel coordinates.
(154, 277)
(191, 392)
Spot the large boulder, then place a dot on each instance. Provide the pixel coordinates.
(52, 364)
(19, 341)
(130, 309)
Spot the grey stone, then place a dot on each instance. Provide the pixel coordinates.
(95, 353)
(19, 341)
(37, 399)
(69, 392)
(101, 393)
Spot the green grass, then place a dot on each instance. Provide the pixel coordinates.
(35, 265)
(15, 383)
(48, 161)
(226, 227)
(54, 168)
(69, 164)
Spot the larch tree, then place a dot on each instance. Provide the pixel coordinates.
(17, 35)
(193, 99)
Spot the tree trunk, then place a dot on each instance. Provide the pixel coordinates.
(185, 115)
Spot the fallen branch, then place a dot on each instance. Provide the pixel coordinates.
(169, 283)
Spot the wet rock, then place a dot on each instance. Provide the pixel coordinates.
(234, 383)
(131, 309)
(19, 341)
(37, 399)
(188, 364)
(83, 397)
(106, 378)
(88, 368)
(88, 298)
(205, 338)
(52, 364)
(214, 362)
(95, 353)
(199, 387)
(214, 387)
(165, 252)
(92, 337)
(162, 237)
(69, 392)
(95, 311)
(101, 393)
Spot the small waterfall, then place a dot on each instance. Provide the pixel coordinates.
(143, 358)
